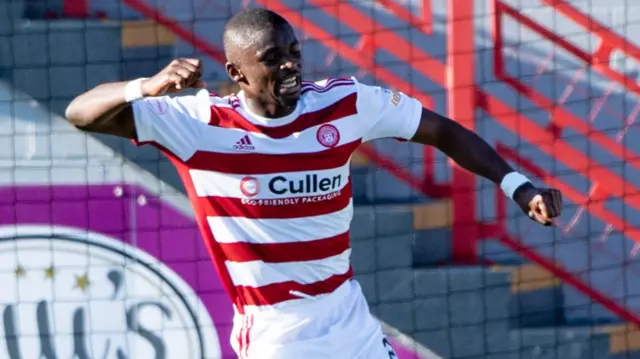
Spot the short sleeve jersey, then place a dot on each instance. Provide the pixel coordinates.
(272, 197)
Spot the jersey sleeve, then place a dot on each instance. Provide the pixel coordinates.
(172, 123)
(387, 113)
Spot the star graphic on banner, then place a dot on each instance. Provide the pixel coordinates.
(20, 272)
(50, 272)
(82, 282)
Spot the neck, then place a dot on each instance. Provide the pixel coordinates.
(263, 109)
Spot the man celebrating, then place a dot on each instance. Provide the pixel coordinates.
(267, 172)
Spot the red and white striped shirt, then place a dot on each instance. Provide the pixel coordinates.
(272, 197)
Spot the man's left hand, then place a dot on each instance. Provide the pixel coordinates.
(540, 204)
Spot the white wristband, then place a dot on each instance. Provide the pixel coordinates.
(511, 182)
(133, 90)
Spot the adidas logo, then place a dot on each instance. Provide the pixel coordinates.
(244, 144)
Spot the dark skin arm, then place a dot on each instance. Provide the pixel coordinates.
(104, 109)
(474, 154)
(464, 147)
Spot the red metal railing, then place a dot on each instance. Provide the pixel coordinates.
(145, 9)
(606, 183)
(465, 229)
(597, 209)
(464, 97)
(424, 22)
(461, 96)
(75, 8)
(563, 274)
(609, 41)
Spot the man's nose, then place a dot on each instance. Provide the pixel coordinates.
(289, 64)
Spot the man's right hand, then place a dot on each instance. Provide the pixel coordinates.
(179, 75)
(104, 109)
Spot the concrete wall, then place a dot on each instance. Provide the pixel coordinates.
(47, 63)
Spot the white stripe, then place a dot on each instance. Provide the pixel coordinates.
(221, 140)
(218, 184)
(259, 273)
(267, 311)
(270, 230)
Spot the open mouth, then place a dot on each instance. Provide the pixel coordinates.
(290, 85)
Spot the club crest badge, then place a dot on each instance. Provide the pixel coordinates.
(328, 135)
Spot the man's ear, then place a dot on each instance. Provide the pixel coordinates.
(234, 72)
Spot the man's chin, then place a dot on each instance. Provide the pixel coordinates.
(290, 100)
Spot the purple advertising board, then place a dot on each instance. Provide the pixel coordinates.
(108, 271)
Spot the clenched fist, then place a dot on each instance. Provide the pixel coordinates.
(179, 75)
(540, 204)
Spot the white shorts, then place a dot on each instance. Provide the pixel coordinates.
(336, 326)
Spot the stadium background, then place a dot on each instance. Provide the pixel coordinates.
(451, 268)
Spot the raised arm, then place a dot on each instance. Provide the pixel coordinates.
(388, 113)
(107, 108)
(464, 147)
(474, 154)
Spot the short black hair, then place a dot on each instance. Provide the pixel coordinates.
(241, 27)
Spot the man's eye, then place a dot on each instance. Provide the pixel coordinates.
(270, 58)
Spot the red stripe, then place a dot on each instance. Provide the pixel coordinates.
(256, 163)
(246, 334)
(230, 118)
(279, 292)
(287, 252)
(238, 336)
(213, 247)
(75, 8)
(304, 207)
(241, 336)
